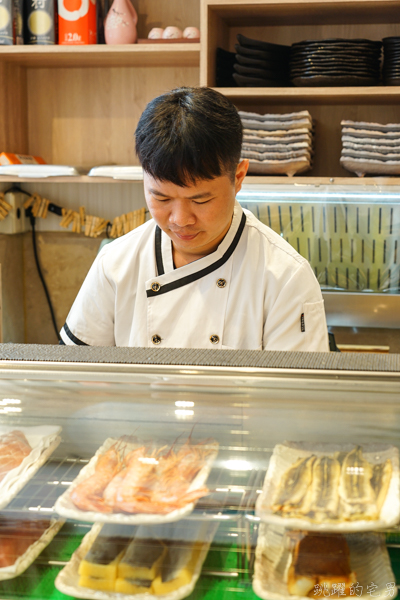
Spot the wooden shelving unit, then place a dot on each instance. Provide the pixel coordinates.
(79, 105)
(287, 22)
(379, 95)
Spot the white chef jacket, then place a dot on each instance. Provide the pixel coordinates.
(255, 292)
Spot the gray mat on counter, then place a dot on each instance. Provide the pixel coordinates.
(197, 357)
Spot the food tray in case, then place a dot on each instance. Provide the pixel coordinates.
(65, 507)
(67, 580)
(286, 455)
(25, 560)
(43, 441)
(369, 560)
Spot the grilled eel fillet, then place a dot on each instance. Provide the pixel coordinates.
(323, 495)
(382, 474)
(294, 485)
(355, 489)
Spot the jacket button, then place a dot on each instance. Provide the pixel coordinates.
(155, 286)
(156, 339)
(214, 339)
(221, 283)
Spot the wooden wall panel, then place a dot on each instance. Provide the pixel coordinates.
(88, 116)
(161, 13)
(12, 288)
(106, 200)
(13, 109)
(289, 34)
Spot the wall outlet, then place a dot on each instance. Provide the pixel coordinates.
(16, 221)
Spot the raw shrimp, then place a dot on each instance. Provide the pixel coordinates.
(111, 491)
(87, 495)
(139, 480)
(14, 447)
(164, 487)
(166, 504)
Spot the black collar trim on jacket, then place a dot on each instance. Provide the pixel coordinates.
(73, 337)
(168, 287)
(159, 260)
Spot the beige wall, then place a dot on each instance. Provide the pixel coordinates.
(12, 288)
(65, 259)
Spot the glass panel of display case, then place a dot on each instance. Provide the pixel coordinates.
(349, 234)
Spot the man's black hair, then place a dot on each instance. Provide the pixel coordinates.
(189, 134)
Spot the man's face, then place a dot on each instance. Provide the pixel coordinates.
(196, 217)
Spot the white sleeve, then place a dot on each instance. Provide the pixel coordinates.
(90, 321)
(297, 320)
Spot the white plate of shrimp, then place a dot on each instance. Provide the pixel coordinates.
(31, 446)
(137, 483)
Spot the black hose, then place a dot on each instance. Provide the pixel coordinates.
(46, 291)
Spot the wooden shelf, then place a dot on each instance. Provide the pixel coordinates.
(291, 12)
(250, 179)
(314, 95)
(333, 181)
(130, 55)
(81, 179)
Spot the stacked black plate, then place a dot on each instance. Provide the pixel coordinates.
(224, 68)
(391, 60)
(261, 64)
(334, 62)
(372, 148)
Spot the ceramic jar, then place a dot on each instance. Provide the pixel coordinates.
(120, 25)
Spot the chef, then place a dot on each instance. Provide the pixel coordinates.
(203, 272)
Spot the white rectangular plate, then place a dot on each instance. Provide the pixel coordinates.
(39, 171)
(66, 508)
(67, 580)
(285, 455)
(43, 441)
(369, 559)
(25, 560)
(128, 173)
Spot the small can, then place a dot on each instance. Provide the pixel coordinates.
(77, 22)
(6, 23)
(102, 10)
(39, 22)
(18, 22)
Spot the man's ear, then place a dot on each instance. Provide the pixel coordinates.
(241, 173)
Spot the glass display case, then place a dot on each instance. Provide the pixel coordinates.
(145, 473)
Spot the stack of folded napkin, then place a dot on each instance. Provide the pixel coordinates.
(370, 148)
(277, 144)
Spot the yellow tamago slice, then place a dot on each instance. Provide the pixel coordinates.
(129, 586)
(184, 577)
(98, 571)
(97, 583)
(142, 560)
(159, 587)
